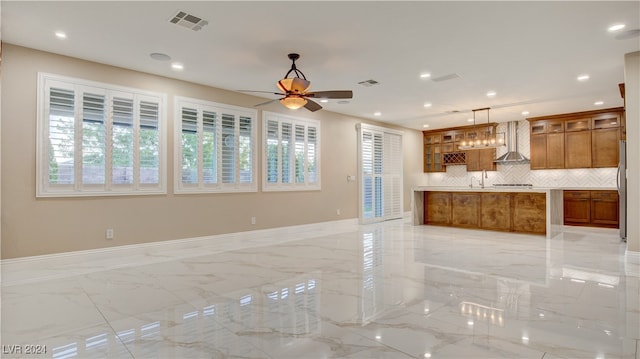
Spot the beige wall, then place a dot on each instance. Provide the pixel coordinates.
(33, 226)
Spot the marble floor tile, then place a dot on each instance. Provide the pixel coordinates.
(388, 290)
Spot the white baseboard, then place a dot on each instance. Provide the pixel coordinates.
(61, 265)
(632, 257)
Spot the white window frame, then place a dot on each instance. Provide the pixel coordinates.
(46, 81)
(307, 185)
(219, 187)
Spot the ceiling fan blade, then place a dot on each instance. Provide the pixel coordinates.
(271, 92)
(330, 94)
(265, 103)
(312, 106)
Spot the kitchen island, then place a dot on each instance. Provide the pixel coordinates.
(510, 209)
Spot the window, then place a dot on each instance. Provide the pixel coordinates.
(215, 147)
(97, 139)
(291, 156)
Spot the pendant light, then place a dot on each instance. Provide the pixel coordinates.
(485, 139)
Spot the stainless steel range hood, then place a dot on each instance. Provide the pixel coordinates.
(512, 156)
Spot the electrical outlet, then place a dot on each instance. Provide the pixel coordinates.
(109, 233)
(338, 212)
(253, 220)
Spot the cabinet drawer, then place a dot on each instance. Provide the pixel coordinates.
(604, 195)
(577, 195)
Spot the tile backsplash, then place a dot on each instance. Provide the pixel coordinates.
(520, 173)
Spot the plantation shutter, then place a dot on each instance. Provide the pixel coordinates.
(97, 139)
(122, 141)
(392, 178)
(209, 148)
(61, 144)
(93, 139)
(291, 153)
(273, 157)
(228, 148)
(149, 143)
(189, 145)
(380, 162)
(287, 145)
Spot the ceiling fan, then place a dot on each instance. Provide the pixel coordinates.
(294, 89)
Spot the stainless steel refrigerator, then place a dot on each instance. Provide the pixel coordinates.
(622, 190)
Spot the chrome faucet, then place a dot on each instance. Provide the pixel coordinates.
(471, 182)
(482, 177)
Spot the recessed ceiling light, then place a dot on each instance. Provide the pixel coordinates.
(598, 103)
(524, 113)
(177, 66)
(160, 56)
(491, 93)
(425, 126)
(425, 75)
(324, 100)
(583, 77)
(61, 35)
(470, 120)
(616, 27)
(377, 113)
(428, 104)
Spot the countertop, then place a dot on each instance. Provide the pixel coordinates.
(506, 189)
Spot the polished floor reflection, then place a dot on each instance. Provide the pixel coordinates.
(389, 290)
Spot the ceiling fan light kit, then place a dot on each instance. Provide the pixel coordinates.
(294, 89)
(293, 102)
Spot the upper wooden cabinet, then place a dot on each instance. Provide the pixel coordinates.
(576, 140)
(441, 148)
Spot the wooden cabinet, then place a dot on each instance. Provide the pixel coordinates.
(496, 212)
(606, 133)
(432, 152)
(577, 207)
(500, 211)
(465, 209)
(605, 209)
(577, 140)
(547, 144)
(538, 156)
(438, 208)
(433, 158)
(478, 160)
(577, 149)
(555, 150)
(442, 149)
(530, 212)
(591, 208)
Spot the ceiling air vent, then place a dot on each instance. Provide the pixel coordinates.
(445, 77)
(368, 83)
(189, 21)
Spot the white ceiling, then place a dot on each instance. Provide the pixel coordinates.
(530, 53)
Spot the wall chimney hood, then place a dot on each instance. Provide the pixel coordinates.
(512, 156)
